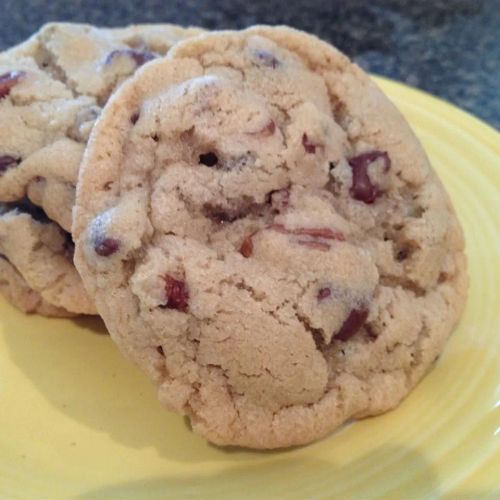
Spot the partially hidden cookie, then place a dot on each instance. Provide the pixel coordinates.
(52, 88)
(14, 287)
(266, 239)
(42, 253)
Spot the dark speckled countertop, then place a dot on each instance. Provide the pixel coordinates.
(450, 48)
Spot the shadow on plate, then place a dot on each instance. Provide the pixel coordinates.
(75, 366)
(92, 324)
(294, 477)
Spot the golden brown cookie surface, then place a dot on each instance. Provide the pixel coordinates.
(266, 238)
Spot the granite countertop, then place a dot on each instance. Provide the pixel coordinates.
(450, 48)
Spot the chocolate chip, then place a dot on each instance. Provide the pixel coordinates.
(209, 159)
(176, 293)
(139, 56)
(309, 147)
(160, 350)
(7, 162)
(352, 324)
(106, 246)
(403, 254)
(267, 59)
(362, 188)
(443, 277)
(134, 118)
(9, 80)
(404, 249)
(246, 248)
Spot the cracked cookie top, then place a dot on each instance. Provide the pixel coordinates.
(265, 237)
(52, 88)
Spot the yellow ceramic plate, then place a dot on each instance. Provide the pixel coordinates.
(76, 420)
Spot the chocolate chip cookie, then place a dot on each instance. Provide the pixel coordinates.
(42, 253)
(52, 88)
(265, 238)
(14, 287)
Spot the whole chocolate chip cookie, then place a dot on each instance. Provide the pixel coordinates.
(52, 88)
(266, 239)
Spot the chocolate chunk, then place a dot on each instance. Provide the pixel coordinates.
(9, 80)
(176, 293)
(324, 293)
(308, 145)
(363, 189)
(246, 248)
(403, 254)
(106, 246)
(352, 324)
(209, 159)
(134, 118)
(139, 56)
(160, 350)
(267, 59)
